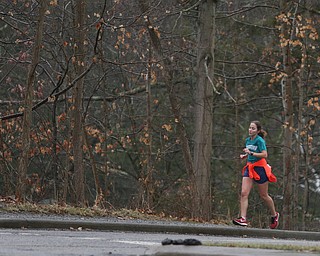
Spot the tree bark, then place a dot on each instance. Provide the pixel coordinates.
(204, 110)
(27, 114)
(297, 152)
(77, 137)
(149, 172)
(288, 123)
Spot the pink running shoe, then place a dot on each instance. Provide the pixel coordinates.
(240, 221)
(274, 221)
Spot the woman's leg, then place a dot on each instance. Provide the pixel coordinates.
(263, 191)
(244, 199)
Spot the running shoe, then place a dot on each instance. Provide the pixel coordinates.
(240, 221)
(274, 221)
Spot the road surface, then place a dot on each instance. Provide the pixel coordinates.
(29, 242)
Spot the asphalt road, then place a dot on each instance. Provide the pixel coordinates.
(20, 242)
(29, 234)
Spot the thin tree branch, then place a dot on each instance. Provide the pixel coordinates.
(52, 96)
(209, 78)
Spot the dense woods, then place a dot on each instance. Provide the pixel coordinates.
(146, 104)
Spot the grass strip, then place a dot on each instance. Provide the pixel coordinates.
(287, 247)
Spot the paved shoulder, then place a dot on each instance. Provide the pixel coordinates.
(38, 221)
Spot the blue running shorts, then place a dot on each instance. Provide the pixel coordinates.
(260, 171)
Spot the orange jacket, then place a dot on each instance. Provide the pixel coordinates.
(262, 163)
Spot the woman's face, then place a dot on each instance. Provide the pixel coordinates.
(253, 130)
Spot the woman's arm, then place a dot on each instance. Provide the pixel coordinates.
(263, 154)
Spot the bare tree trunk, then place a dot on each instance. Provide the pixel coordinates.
(149, 173)
(288, 124)
(204, 110)
(305, 200)
(237, 160)
(28, 101)
(309, 5)
(287, 149)
(106, 127)
(296, 200)
(297, 154)
(175, 106)
(55, 154)
(65, 170)
(7, 190)
(98, 190)
(77, 137)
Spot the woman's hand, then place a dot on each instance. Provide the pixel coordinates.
(242, 156)
(246, 151)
